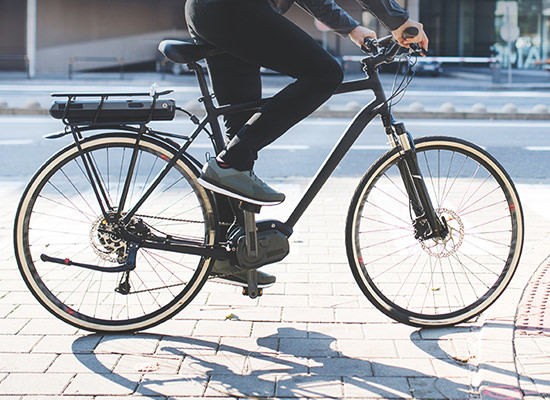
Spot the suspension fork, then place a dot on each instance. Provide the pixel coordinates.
(427, 224)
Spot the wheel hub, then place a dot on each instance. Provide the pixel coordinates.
(449, 245)
(106, 243)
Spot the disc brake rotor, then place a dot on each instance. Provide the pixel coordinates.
(449, 245)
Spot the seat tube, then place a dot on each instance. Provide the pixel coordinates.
(209, 106)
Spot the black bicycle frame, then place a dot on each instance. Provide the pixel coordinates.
(361, 120)
(378, 106)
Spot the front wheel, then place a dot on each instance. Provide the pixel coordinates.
(60, 217)
(436, 282)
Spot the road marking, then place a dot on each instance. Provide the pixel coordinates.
(16, 142)
(537, 148)
(287, 147)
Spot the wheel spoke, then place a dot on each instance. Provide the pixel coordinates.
(63, 220)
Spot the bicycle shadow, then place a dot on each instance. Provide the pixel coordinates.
(267, 370)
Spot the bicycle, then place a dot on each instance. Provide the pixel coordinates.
(113, 233)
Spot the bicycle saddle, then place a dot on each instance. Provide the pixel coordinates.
(186, 51)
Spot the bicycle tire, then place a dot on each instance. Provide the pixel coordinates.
(436, 283)
(59, 215)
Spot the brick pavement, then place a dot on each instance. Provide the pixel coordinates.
(312, 335)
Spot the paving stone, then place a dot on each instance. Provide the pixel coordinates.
(18, 343)
(42, 384)
(310, 386)
(181, 346)
(280, 330)
(128, 344)
(366, 348)
(249, 346)
(275, 365)
(67, 344)
(37, 326)
(407, 348)
(452, 368)
(336, 330)
(440, 388)
(82, 363)
(90, 384)
(308, 288)
(308, 315)
(203, 365)
(308, 347)
(21, 362)
(12, 326)
(402, 367)
(340, 366)
(270, 300)
(240, 386)
(227, 328)
(173, 327)
(376, 388)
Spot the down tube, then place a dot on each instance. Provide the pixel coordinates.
(354, 129)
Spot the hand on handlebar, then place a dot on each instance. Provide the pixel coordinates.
(411, 32)
(360, 34)
(372, 45)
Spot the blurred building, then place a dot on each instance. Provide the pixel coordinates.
(51, 36)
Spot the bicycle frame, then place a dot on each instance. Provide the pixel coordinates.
(378, 106)
(396, 132)
(348, 138)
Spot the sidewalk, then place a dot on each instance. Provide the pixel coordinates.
(312, 335)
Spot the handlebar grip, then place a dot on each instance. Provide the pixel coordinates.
(410, 32)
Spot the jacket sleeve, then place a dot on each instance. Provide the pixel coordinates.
(387, 11)
(330, 14)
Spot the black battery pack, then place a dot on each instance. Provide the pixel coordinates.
(113, 111)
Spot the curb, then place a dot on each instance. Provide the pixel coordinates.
(339, 113)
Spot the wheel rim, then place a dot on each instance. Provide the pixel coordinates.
(438, 281)
(65, 223)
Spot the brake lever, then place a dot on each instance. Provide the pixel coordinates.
(418, 49)
(410, 32)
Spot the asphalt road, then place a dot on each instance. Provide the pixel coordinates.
(523, 147)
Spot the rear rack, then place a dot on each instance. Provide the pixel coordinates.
(82, 109)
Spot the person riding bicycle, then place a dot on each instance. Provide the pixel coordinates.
(255, 34)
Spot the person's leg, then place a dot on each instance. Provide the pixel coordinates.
(234, 82)
(251, 31)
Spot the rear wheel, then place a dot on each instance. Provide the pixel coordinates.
(436, 282)
(59, 216)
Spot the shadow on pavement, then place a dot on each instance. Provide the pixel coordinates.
(265, 370)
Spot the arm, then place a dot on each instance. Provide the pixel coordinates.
(330, 14)
(395, 19)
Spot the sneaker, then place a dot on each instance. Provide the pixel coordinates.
(224, 270)
(242, 185)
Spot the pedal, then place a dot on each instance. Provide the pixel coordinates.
(246, 292)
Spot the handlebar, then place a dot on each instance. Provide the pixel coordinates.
(386, 48)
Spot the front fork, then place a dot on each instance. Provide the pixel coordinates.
(427, 224)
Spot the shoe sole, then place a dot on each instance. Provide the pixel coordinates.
(215, 188)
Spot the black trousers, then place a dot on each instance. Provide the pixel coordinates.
(253, 36)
